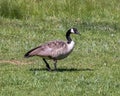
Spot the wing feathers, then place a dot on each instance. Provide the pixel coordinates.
(50, 49)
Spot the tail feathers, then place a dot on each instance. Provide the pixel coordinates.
(27, 55)
(31, 53)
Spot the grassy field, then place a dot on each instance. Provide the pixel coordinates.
(93, 69)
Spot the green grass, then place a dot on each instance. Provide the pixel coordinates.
(91, 70)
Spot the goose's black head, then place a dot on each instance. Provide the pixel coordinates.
(73, 31)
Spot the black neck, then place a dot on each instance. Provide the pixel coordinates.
(68, 37)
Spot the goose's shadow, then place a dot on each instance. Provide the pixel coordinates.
(62, 69)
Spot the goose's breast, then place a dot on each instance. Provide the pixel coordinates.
(70, 46)
(63, 53)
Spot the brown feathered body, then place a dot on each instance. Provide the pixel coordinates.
(52, 50)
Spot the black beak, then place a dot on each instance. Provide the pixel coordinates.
(78, 33)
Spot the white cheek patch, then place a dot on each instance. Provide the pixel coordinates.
(72, 31)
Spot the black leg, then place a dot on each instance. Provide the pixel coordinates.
(55, 64)
(47, 65)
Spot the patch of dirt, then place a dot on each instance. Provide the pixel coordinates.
(15, 62)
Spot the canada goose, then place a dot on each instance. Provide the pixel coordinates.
(54, 50)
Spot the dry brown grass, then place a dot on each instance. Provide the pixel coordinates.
(15, 62)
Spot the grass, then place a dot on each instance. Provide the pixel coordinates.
(91, 70)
